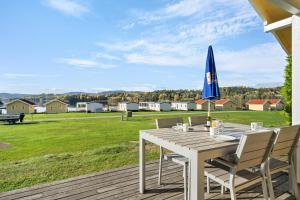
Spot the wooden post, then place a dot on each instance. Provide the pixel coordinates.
(296, 82)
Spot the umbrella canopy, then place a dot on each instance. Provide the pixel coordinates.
(211, 89)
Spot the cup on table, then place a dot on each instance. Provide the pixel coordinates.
(256, 126)
(185, 127)
(212, 131)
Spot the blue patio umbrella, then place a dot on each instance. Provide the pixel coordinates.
(211, 89)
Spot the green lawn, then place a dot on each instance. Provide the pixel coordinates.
(47, 151)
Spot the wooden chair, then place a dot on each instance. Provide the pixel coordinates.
(281, 157)
(253, 150)
(197, 120)
(169, 123)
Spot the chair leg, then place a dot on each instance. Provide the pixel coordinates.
(232, 194)
(265, 190)
(160, 165)
(292, 176)
(222, 189)
(270, 185)
(185, 178)
(207, 185)
(189, 180)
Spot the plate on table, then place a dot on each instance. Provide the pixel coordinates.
(225, 138)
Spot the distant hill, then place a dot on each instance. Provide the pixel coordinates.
(12, 95)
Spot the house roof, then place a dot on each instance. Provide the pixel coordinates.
(274, 101)
(200, 101)
(273, 11)
(258, 101)
(222, 101)
(22, 100)
(264, 101)
(61, 101)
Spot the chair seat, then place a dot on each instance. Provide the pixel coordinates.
(180, 160)
(172, 155)
(221, 174)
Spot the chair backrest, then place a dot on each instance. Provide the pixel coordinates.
(254, 149)
(197, 120)
(167, 122)
(286, 141)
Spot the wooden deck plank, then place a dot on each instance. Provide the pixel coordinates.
(122, 184)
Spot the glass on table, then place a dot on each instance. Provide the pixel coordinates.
(256, 126)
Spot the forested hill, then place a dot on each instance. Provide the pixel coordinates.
(239, 95)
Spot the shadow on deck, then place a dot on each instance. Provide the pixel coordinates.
(123, 184)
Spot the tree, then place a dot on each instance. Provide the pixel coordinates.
(286, 90)
(1, 103)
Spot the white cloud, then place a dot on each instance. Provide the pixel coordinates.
(86, 64)
(69, 7)
(267, 58)
(106, 56)
(161, 60)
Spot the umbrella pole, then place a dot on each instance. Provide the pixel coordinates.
(208, 115)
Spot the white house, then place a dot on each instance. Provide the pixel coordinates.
(127, 106)
(159, 106)
(183, 106)
(89, 107)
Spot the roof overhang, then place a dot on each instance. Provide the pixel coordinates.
(277, 17)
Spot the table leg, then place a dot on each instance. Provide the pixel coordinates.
(142, 165)
(197, 178)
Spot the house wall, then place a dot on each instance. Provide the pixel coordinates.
(159, 106)
(18, 107)
(94, 107)
(225, 107)
(183, 106)
(145, 105)
(56, 107)
(81, 107)
(259, 107)
(128, 107)
(278, 106)
(204, 106)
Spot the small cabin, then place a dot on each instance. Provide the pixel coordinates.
(56, 106)
(20, 106)
(258, 104)
(225, 105)
(276, 104)
(202, 104)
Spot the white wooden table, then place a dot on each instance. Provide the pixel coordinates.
(198, 146)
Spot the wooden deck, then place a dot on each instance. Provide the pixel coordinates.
(123, 184)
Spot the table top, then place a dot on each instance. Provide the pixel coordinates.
(198, 139)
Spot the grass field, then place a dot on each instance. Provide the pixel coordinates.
(44, 151)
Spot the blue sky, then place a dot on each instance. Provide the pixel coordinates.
(98, 45)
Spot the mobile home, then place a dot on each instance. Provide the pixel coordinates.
(183, 106)
(89, 107)
(127, 106)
